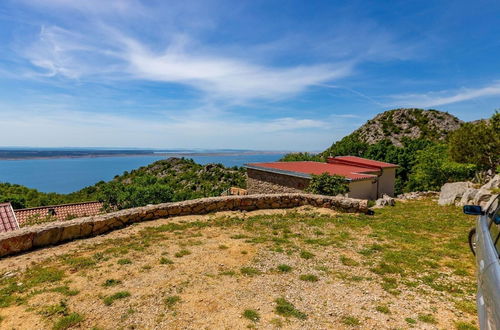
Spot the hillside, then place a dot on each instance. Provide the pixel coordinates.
(172, 179)
(395, 125)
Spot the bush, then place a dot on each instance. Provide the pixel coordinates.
(326, 184)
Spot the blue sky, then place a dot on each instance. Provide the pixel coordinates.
(287, 75)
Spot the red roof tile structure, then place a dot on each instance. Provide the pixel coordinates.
(358, 161)
(8, 219)
(307, 168)
(60, 212)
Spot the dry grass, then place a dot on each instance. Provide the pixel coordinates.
(407, 266)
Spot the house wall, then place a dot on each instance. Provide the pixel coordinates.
(261, 182)
(386, 182)
(363, 189)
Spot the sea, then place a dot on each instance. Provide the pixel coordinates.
(66, 175)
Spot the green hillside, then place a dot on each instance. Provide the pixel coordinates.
(173, 179)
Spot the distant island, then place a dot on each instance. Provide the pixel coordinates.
(47, 153)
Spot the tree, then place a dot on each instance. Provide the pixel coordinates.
(326, 184)
(433, 168)
(477, 143)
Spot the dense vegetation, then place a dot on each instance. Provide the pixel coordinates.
(426, 163)
(330, 185)
(168, 180)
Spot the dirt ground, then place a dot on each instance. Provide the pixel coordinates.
(204, 272)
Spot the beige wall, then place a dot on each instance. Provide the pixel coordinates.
(386, 182)
(363, 189)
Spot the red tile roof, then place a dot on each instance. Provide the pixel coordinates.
(349, 171)
(358, 161)
(8, 219)
(60, 212)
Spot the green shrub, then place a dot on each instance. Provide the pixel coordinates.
(251, 314)
(326, 184)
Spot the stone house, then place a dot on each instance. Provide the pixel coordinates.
(368, 179)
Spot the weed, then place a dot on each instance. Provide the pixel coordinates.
(286, 308)
(350, 320)
(67, 321)
(228, 273)
(77, 263)
(39, 274)
(182, 253)
(223, 247)
(427, 318)
(58, 309)
(244, 252)
(170, 301)
(306, 255)
(284, 268)
(251, 314)
(383, 309)
(249, 271)
(124, 261)
(466, 306)
(465, 326)
(346, 261)
(165, 261)
(409, 320)
(111, 282)
(65, 290)
(309, 278)
(119, 295)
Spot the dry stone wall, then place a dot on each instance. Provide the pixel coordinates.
(28, 238)
(261, 182)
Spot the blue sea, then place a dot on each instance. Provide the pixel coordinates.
(65, 175)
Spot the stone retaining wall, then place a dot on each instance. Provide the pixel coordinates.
(32, 237)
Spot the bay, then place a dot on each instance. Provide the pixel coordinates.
(65, 175)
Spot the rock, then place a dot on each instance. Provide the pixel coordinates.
(385, 201)
(450, 192)
(418, 194)
(482, 197)
(494, 183)
(468, 196)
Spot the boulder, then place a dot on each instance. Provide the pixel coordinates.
(450, 192)
(494, 183)
(482, 197)
(386, 200)
(468, 196)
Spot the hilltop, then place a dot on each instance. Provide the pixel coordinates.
(395, 125)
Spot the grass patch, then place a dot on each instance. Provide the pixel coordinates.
(252, 315)
(409, 320)
(309, 278)
(350, 320)
(427, 318)
(78, 263)
(306, 255)
(287, 309)
(284, 268)
(223, 247)
(383, 309)
(124, 261)
(249, 271)
(170, 301)
(109, 300)
(348, 261)
(465, 326)
(182, 253)
(67, 321)
(65, 290)
(111, 282)
(165, 261)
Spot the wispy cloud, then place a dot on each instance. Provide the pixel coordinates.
(434, 99)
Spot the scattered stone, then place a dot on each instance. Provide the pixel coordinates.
(386, 200)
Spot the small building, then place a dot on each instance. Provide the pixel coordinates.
(59, 212)
(368, 179)
(8, 221)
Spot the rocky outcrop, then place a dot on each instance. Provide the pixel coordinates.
(464, 193)
(453, 192)
(58, 232)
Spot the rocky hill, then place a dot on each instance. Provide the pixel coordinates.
(412, 123)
